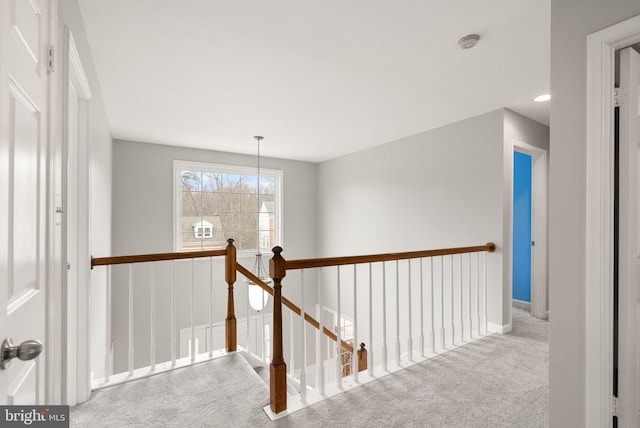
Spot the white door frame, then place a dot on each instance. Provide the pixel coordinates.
(601, 47)
(53, 351)
(76, 301)
(539, 275)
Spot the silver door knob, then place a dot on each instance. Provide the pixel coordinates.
(27, 350)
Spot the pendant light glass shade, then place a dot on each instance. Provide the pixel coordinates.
(258, 298)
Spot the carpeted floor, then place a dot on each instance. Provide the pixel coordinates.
(498, 381)
(220, 393)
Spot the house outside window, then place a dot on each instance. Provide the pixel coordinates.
(203, 229)
(215, 202)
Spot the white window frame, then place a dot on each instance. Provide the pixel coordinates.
(224, 169)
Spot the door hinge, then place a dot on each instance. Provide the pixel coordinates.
(618, 407)
(51, 59)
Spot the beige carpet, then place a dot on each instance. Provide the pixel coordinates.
(499, 381)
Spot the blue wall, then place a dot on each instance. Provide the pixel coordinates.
(522, 227)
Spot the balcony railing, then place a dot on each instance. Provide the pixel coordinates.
(390, 302)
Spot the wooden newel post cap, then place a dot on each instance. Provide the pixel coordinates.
(277, 264)
(230, 242)
(491, 247)
(362, 347)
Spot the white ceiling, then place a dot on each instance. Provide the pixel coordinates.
(317, 78)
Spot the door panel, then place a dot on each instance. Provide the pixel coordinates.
(522, 209)
(23, 169)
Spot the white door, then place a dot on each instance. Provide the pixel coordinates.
(629, 240)
(23, 191)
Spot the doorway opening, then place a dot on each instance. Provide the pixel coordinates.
(529, 279)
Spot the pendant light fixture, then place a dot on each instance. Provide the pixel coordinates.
(258, 298)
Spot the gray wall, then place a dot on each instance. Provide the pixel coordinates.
(143, 223)
(441, 188)
(143, 197)
(571, 22)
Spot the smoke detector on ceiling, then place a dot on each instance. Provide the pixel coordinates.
(467, 42)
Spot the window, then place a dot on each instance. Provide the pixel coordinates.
(216, 202)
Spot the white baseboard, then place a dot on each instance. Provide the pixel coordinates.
(500, 329)
(521, 304)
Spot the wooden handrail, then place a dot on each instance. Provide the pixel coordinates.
(158, 257)
(331, 335)
(373, 258)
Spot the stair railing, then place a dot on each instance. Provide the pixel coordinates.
(160, 268)
(279, 267)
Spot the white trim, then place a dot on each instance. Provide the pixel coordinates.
(54, 305)
(601, 47)
(521, 304)
(227, 169)
(76, 337)
(500, 329)
(80, 81)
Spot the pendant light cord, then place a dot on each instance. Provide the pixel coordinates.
(258, 138)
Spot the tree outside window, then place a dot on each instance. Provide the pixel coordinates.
(218, 202)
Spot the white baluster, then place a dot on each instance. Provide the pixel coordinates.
(461, 304)
(384, 316)
(370, 351)
(263, 336)
(292, 365)
(442, 301)
(319, 341)
(432, 333)
(397, 313)
(354, 354)
(339, 335)
(477, 296)
(410, 341)
(422, 308)
(247, 314)
(173, 314)
(453, 329)
(107, 344)
(152, 349)
(130, 362)
(211, 309)
(303, 340)
(484, 291)
(469, 292)
(193, 312)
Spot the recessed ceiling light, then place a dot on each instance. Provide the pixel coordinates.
(469, 41)
(542, 98)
